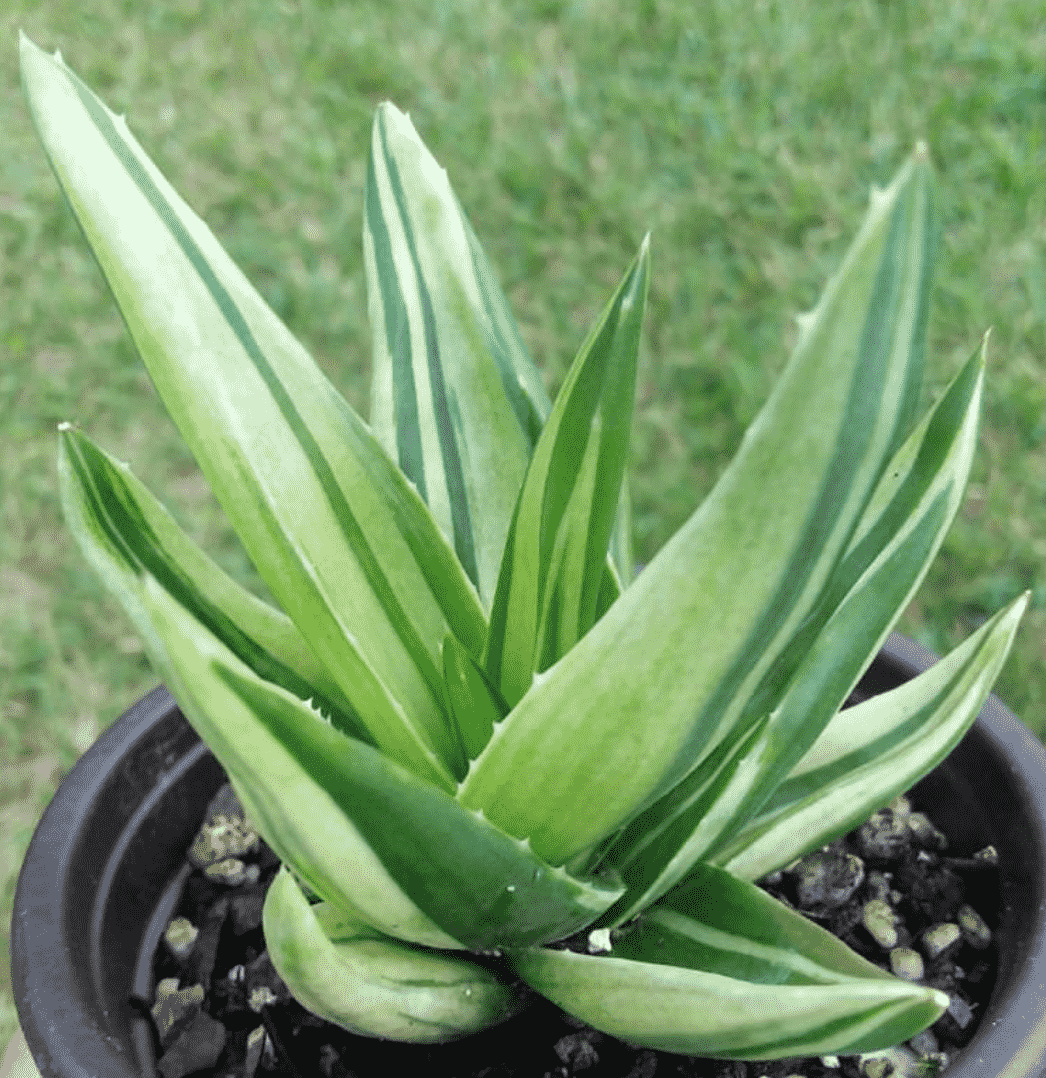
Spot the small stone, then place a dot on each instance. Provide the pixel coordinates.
(885, 836)
(180, 936)
(906, 964)
(960, 1011)
(989, 854)
(827, 880)
(976, 933)
(255, 1046)
(877, 1068)
(900, 1061)
(831, 1062)
(940, 941)
(599, 940)
(901, 807)
(231, 872)
(878, 884)
(221, 837)
(880, 921)
(175, 1008)
(925, 833)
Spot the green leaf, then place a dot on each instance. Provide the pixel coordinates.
(339, 968)
(870, 753)
(455, 397)
(556, 551)
(347, 548)
(361, 831)
(674, 661)
(895, 541)
(719, 968)
(124, 531)
(474, 703)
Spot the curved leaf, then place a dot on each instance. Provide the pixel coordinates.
(363, 832)
(107, 507)
(719, 968)
(874, 751)
(339, 968)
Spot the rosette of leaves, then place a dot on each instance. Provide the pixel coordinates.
(467, 730)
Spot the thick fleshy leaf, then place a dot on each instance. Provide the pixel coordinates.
(361, 831)
(347, 548)
(107, 506)
(719, 968)
(664, 676)
(556, 551)
(874, 751)
(339, 968)
(474, 703)
(455, 398)
(896, 540)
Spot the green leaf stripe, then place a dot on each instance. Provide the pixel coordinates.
(728, 592)
(874, 751)
(351, 530)
(105, 497)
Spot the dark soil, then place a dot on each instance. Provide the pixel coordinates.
(229, 1014)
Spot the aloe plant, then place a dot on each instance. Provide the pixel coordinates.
(467, 730)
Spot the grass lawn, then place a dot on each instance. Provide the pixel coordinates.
(745, 135)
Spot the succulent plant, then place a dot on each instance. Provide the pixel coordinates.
(467, 731)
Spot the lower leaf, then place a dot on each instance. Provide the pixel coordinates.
(719, 968)
(370, 984)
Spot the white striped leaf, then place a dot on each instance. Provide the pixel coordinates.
(348, 550)
(895, 542)
(556, 550)
(363, 832)
(107, 506)
(874, 751)
(674, 661)
(341, 969)
(719, 968)
(455, 398)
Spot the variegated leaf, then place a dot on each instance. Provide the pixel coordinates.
(672, 664)
(108, 508)
(349, 551)
(340, 968)
(874, 751)
(455, 398)
(895, 541)
(719, 968)
(361, 831)
(556, 551)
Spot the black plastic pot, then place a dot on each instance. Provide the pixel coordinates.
(104, 867)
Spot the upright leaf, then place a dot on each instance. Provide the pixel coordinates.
(455, 398)
(895, 541)
(556, 551)
(349, 551)
(673, 662)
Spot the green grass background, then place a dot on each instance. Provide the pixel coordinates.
(745, 135)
